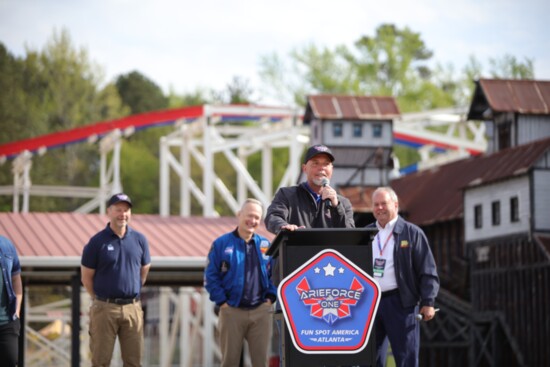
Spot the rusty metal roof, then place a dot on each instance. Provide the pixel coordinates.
(332, 106)
(360, 197)
(57, 239)
(529, 97)
(436, 195)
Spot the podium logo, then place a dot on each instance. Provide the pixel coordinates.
(329, 304)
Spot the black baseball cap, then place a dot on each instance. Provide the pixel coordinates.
(316, 150)
(117, 198)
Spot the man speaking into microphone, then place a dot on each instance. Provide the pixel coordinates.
(313, 203)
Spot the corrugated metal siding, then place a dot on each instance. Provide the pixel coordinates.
(514, 279)
(541, 200)
(531, 128)
(353, 157)
(65, 234)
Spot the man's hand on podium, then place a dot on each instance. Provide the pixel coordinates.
(291, 227)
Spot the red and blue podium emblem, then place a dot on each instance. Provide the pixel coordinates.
(329, 304)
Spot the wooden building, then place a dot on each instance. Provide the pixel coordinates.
(488, 223)
(359, 131)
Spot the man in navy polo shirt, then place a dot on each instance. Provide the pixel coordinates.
(115, 264)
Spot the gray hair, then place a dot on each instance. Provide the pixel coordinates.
(253, 201)
(389, 191)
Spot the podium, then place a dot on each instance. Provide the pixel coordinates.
(302, 251)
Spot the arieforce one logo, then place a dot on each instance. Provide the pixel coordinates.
(329, 304)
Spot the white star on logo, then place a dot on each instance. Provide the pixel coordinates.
(341, 270)
(317, 270)
(329, 270)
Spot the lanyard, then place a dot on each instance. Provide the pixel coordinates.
(380, 248)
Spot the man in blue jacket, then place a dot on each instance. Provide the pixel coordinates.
(405, 269)
(237, 277)
(11, 295)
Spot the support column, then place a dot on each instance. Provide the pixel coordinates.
(208, 332)
(208, 173)
(185, 190)
(267, 170)
(164, 200)
(164, 325)
(75, 318)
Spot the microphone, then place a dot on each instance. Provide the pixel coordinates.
(420, 317)
(325, 182)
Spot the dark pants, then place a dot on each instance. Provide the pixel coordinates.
(397, 325)
(9, 343)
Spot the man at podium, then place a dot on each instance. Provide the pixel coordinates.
(313, 203)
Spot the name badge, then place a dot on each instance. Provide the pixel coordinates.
(378, 268)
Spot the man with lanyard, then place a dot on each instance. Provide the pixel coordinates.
(311, 204)
(405, 269)
(114, 266)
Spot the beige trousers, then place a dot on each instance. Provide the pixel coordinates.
(255, 326)
(107, 321)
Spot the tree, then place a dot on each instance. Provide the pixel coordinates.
(509, 67)
(238, 91)
(392, 63)
(140, 93)
(51, 90)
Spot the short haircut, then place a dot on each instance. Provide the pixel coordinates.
(389, 190)
(253, 201)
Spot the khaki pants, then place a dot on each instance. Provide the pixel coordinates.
(107, 321)
(236, 325)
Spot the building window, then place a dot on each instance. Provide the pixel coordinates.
(495, 212)
(357, 130)
(514, 209)
(377, 131)
(337, 129)
(478, 222)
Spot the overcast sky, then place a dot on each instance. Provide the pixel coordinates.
(183, 45)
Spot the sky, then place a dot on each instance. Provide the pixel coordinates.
(182, 45)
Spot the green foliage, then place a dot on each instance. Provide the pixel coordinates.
(59, 88)
(196, 98)
(140, 93)
(238, 91)
(407, 156)
(140, 174)
(52, 90)
(509, 67)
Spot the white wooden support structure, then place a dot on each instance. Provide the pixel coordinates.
(259, 130)
(191, 326)
(109, 179)
(465, 136)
